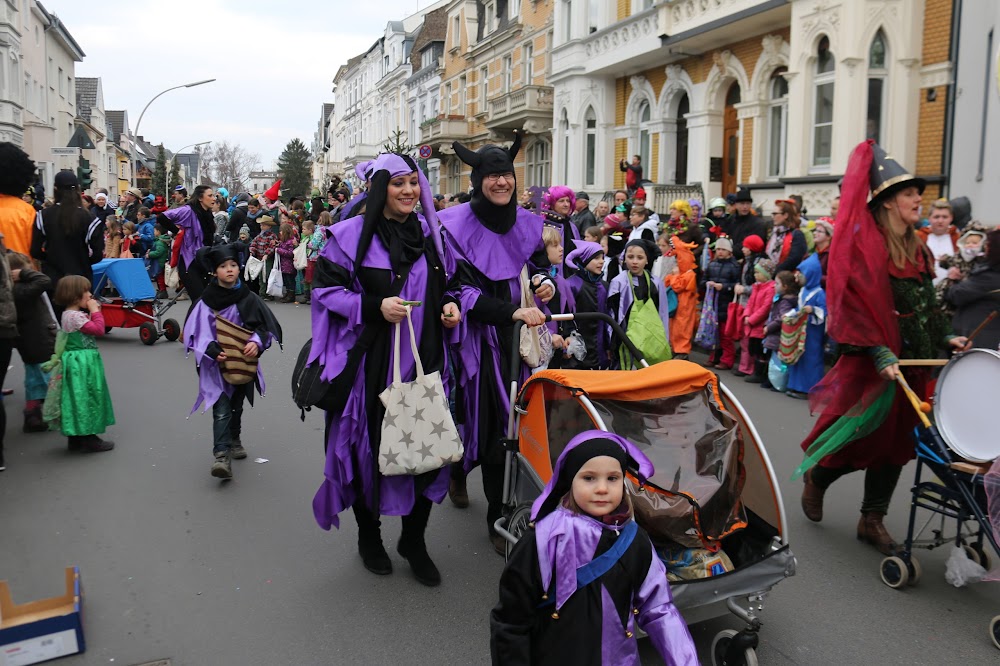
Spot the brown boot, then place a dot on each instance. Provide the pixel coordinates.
(458, 493)
(871, 530)
(812, 498)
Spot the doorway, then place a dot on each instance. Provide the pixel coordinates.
(681, 154)
(730, 141)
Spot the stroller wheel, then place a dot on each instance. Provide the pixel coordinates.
(915, 570)
(978, 554)
(894, 572)
(995, 631)
(517, 524)
(147, 333)
(721, 656)
(171, 329)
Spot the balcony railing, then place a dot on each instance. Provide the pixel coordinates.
(680, 16)
(443, 128)
(527, 100)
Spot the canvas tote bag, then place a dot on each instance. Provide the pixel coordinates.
(535, 343)
(418, 432)
(236, 369)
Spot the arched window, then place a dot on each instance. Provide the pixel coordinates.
(564, 133)
(878, 73)
(590, 147)
(777, 123)
(538, 164)
(644, 136)
(823, 81)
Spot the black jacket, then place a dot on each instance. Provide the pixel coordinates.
(72, 253)
(974, 299)
(236, 221)
(102, 213)
(727, 273)
(36, 330)
(583, 220)
(738, 227)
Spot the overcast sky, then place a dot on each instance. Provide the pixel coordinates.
(274, 61)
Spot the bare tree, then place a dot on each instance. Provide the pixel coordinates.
(229, 165)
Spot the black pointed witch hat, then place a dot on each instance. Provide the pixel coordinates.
(888, 176)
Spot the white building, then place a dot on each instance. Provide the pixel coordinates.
(321, 165)
(12, 26)
(260, 181)
(91, 116)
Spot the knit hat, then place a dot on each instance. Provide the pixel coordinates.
(244, 230)
(491, 159)
(724, 244)
(717, 202)
(765, 267)
(754, 243)
(640, 194)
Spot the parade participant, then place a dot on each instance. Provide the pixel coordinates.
(557, 205)
(723, 275)
(158, 257)
(584, 577)
(226, 297)
(808, 370)
(743, 222)
(787, 245)
(66, 240)
(17, 217)
(492, 239)
(755, 316)
(977, 295)
(80, 404)
(198, 223)
(356, 300)
(613, 245)
(882, 307)
(684, 281)
(635, 285)
(590, 294)
(356, 205)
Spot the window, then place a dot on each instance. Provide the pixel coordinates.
(461, 94)
(538, 164)
(484, 79)
(385, 65)
(644, 135)
(593, 15)
(877, 88)
(489, 18)
(987, 87)
(427, 58)
(564, 132)
(590, 147)
(507, 65)
(456, 28)
(513, 9)
(447, 98)
(777, 124)
(62, 85)
(567, 17)
(528, 63)
(822, 135)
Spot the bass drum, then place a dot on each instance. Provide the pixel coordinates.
(966, 406)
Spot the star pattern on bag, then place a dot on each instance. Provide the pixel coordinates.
(418, 431)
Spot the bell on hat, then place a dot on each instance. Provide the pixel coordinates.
(887, 176)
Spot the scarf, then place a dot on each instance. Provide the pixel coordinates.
(255, 315)
(404, 240)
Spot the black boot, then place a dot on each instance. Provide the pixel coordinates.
(412, 545)
(759, 372)
(370, 545)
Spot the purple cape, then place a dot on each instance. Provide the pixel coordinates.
(336, 325)
(497, 256)
(185, 218)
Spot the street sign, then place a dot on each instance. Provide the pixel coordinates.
(66, 151)
(425, 152)
(80, 139)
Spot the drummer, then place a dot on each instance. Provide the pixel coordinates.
(878, 316)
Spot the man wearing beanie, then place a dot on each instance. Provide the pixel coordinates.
(743, 222)
(493, 239)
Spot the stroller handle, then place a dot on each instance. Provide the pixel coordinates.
(617, 330)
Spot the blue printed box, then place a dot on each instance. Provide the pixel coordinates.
(41, 630)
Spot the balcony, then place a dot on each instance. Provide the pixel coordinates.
(529, 108)
(444, 130)
(632, 44)
(678, 17)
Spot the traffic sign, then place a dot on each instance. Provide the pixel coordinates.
(425, 152)
(65, 151)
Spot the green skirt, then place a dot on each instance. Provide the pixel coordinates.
(85, 401)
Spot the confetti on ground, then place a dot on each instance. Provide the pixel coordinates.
(261, 460)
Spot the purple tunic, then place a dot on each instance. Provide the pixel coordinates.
(336, 327)
(500, 258)
(199, 333)
(193, 240)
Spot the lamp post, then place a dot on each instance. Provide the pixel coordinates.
(166, 176)
(136, 136)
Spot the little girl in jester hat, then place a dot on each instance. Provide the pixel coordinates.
(585, 578)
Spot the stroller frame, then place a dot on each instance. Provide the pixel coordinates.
(701, 599)
(146, 314)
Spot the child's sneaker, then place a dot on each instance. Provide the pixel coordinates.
(222, 468)
(236, 449)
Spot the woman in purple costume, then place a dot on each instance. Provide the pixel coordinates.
(492, 239)
(198, 222)
(369, 268)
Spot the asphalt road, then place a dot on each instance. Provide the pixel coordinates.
(176, 565)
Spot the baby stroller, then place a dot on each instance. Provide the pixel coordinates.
(954, 455)
(136, 304)
(714, 490)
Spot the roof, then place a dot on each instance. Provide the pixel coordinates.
(86, 96)
(327, 110)
(62, 34)
(116, 123)
(189, 161)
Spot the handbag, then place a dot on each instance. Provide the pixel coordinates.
(275, 283)
(734, 321)
(418, 432)
(672, 301)
(299, 259)
(794, 327)
(170, 276)
(253, 268)
(236, 369)
(645, 330)
(708, 328)
(308, 388)
(535, 343)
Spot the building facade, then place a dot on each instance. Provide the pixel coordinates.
(766, 94)
(12, 25)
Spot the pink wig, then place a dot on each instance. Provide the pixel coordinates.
(557, 192)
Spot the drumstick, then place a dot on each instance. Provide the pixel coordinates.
(979, 329)
(921, 407)
(922, 361)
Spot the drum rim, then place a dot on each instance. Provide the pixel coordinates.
(942, 423)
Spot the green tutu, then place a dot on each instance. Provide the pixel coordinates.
(78, 402)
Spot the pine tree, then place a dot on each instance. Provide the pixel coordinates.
(295, 170)
(175, 174)
(160, 173)
(396, 144)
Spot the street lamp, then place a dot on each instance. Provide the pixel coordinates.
(166, 176)
(133, 156)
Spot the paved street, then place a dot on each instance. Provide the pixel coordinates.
(177, 565)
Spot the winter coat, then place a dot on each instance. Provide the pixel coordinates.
(583, 220)
(738, 227)
(160, 254)
(758, 308)
(264, 245)
(779, 308)
(113, 249)
(286, 254)
(236, 220)
(727, 273)
(787, 249)
(147, 235)
(67, 254)
(974, 298)
(36, 328)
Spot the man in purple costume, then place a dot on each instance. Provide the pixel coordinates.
(492, 239)
(370, 268)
